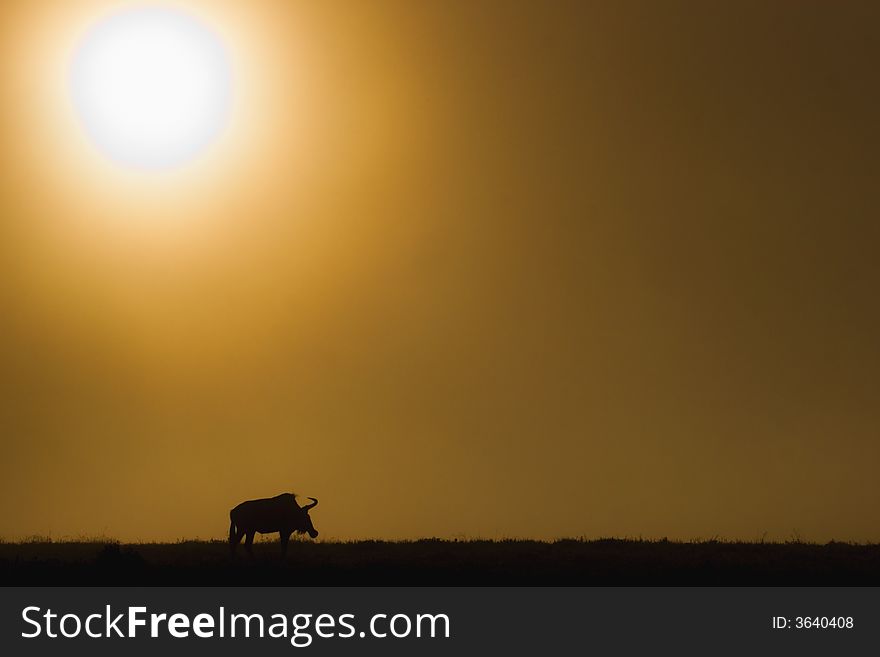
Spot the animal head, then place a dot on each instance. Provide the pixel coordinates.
(308, 527)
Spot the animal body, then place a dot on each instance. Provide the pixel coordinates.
(279, 514)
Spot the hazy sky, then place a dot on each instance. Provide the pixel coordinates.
(457, 268)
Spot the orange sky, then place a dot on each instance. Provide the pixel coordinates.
(455, 269)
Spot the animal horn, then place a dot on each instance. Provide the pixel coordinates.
(309, 506)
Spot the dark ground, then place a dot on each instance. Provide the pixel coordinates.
(435, 562)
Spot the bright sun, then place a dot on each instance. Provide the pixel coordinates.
(152, 87)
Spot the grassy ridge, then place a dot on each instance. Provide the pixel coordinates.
(440, 562)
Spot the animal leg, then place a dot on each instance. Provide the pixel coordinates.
(234, 537)
(285, 539)
(249, 543)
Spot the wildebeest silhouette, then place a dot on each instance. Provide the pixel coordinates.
(274, 514)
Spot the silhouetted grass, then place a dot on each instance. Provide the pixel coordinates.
(441, 562)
